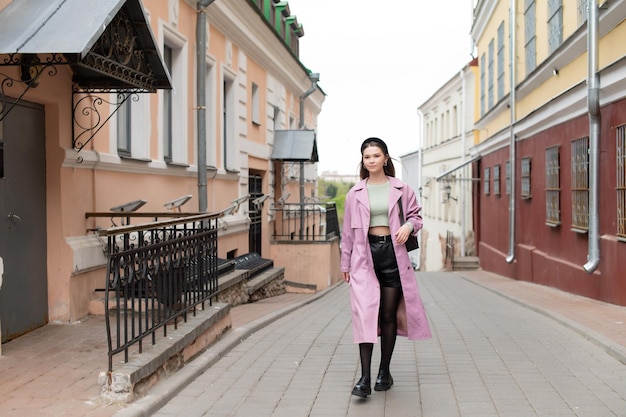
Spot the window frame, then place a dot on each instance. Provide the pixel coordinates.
(500, 62)
(530, 33)
(496, 180)
(486, 175)
(525, 176)
(553, 186)
(620, 182)
(580, 184)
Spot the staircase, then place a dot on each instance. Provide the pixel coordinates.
(466, 263)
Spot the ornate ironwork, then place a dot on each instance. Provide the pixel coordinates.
(157, 274)
(31, 70)
(88, 116)
(118, 54)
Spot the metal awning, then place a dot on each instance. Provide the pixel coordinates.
(450, 171)
(295, 146)
(108, 43)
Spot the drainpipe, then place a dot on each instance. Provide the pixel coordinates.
(511, 257)
(463, 145)
(593, 103)
(314, 77)
(201, 101)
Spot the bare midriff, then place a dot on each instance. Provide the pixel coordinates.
(379, 231)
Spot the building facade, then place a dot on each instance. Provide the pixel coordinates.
(551, 198)
(161, 103)
(445, 187)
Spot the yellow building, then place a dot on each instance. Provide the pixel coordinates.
(551, 123)
(139, 105)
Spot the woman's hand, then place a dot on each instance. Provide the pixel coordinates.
(346, 276)
(403, 233)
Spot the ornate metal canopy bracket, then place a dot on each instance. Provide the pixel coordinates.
(89, 115)
(32, 68)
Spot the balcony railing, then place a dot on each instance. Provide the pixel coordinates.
(157, 274)
(306, 222)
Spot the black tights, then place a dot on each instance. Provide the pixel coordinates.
(389, 300)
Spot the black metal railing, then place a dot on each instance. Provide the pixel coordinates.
(157, 274)
(306, 222)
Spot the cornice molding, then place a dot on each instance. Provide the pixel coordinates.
(238, 21)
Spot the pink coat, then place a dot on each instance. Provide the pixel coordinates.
(356, 258)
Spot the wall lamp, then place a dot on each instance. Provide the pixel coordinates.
(421, 195)
(447, 189)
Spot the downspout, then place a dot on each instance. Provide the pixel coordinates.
(593, 103)
(314, 77)
(463, 146)
(201, 101)
(511, 257)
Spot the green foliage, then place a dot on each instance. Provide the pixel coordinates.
(333, 191)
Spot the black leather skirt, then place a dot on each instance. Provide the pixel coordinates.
(384, 257)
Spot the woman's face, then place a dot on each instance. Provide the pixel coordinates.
(374, 159)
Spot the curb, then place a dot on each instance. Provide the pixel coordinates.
(614, 349)
(163, 392)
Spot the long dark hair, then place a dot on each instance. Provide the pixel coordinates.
(389, 169)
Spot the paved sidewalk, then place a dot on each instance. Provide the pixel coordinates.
(53, 371)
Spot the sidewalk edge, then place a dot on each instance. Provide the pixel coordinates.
(173, 384)
(611, 347)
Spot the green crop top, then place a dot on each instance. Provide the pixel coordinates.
(379, 203)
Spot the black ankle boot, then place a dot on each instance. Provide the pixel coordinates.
(363, 388)
(384, 381)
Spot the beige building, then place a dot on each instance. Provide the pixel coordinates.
(149, 105)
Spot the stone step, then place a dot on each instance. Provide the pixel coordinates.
(466, 263)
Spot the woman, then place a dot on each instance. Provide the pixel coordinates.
(374, 261)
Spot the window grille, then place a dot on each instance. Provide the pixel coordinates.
(486, 181)
(508, 177)
(621, 181)
(553, 187)
(496, 180)
(526, 178)
(580, 184)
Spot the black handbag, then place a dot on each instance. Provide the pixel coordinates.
(411, 243)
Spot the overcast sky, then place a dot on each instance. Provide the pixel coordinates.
(378, 62)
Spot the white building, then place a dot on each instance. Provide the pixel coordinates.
(447, 136)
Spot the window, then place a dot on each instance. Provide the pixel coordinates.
(482, 84)
(555, 24)
(167, 109)
(526, 178)
(174, 104)
(530, 36)
(496, 180)
(228, 124)
(124, 118)
(580, 184)
(500, 61)
(486, 181)
(582, 11)
(508, 177)
(256, 118)
(621, 181)
(553, 187)
(490, 76)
